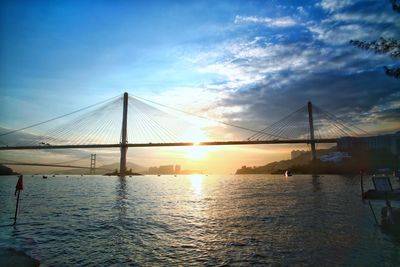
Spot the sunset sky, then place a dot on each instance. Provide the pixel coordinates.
(244, 62)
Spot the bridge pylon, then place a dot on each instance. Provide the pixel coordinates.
(312, 138)
(124, 141)
(92, 163)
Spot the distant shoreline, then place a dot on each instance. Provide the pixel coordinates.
(371, 161)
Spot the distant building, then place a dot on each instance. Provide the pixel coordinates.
(389, 142)
(296, 153)
(177, 169)
(171, 169)
(153, 170)
(166, 169)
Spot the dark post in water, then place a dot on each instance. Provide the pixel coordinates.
(124, 148)
(18, 188)
(312, 140)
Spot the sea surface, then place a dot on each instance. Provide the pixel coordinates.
(194, 220)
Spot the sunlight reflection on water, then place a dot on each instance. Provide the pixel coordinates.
(197, 182)
(194, 220)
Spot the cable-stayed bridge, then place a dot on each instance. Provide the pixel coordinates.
(146, 123)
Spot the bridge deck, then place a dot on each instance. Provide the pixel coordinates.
(214, 143)
(51, 165)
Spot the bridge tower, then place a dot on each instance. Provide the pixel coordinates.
(92, 163)
(124, 141)
(312, 139)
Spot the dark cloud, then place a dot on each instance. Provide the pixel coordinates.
(270, 73)
(390, 115)
(350, 97)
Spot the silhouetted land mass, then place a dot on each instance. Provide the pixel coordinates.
(4, 170)
(133, 166)
(370, 160)
(128, 172)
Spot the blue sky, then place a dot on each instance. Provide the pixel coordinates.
(250, 62)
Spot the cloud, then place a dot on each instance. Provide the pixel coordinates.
(281, 22)
(266, 74)
(352, 98)
(355, 20)
(340, 35)
(302, 11)
(386, 109)
(334, 5)
(366, 18)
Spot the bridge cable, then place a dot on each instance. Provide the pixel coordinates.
(56, 118)
(274, 128)
(202, 117)
(335, 123)
(342, 123)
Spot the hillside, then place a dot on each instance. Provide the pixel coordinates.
(4, 170)
(370, 161)
(110, 167)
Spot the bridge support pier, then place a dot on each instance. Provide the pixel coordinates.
(124, 142)
(312, 138)
(92, 163)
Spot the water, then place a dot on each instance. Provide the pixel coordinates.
(194, 220)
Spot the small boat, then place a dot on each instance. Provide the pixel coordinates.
(288, 173)
(44, 177)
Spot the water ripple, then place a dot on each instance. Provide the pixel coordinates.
(209, 221)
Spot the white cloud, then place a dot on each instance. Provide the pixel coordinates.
(333, 5)
(281, 22)
(246, 63)
(302, 11)
(368, 22)
(375, 18)
(260, 67)
(340, 34)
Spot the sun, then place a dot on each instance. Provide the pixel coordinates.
(196, 152)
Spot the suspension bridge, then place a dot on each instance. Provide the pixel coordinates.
(146, 123)
(65, 164)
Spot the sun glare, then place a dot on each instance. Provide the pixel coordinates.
(197, 182)
(195, 135)
(196, 152)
